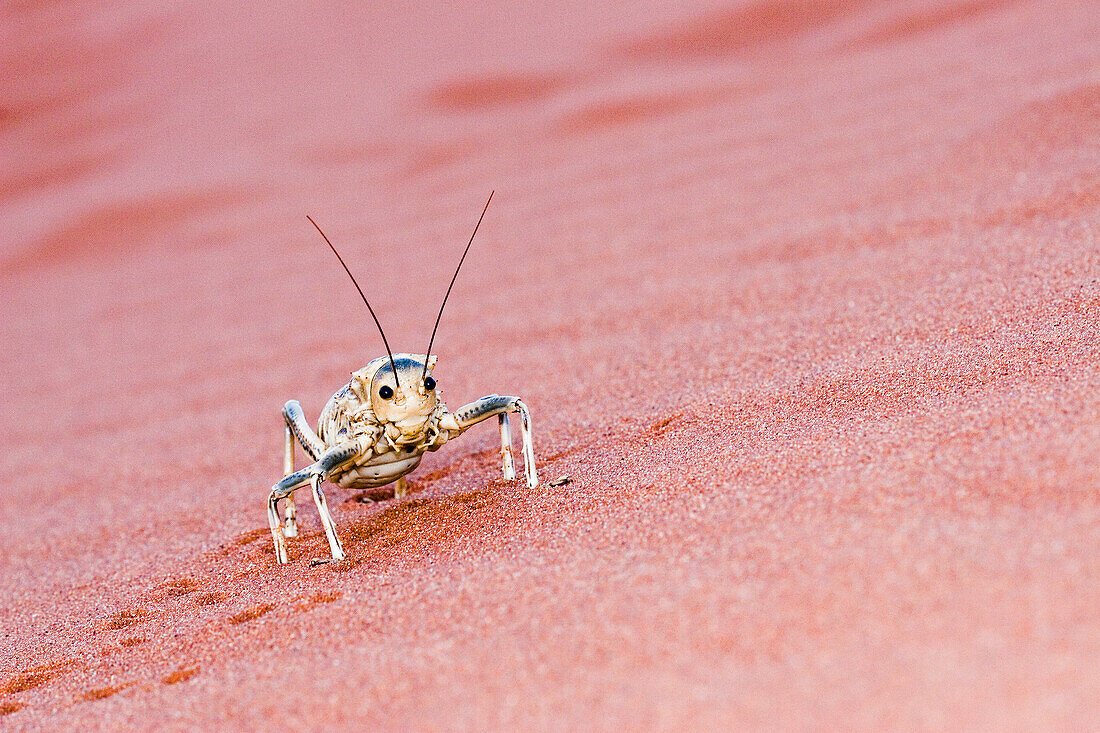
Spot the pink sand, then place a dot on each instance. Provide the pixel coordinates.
(803, 295)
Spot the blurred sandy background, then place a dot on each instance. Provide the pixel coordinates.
(802, 294)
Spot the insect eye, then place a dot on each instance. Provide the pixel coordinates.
(429, 384)
(385, 392)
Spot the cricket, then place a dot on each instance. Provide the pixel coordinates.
(377, 427)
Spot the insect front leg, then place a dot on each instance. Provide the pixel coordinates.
(329, 463)
(283, 490)
(485, 408)
(326, 518)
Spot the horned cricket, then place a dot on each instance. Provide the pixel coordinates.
(376, 429)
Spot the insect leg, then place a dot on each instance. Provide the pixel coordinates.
(528, 445)
(506, 447)
(485, 408)
(291, 527)
(296, 421)
(279, 491)
(297, 427)
(328, 464)
(401, 488)
(326, 518)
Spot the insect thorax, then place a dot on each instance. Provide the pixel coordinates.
(349, 416)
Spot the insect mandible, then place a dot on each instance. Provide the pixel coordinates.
(376, 428)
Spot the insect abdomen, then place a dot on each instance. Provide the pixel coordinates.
(379, 472)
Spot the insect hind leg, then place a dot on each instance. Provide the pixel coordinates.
(296, 422)
(297, 427)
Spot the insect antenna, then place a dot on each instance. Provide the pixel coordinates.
(384, 341)
(455, 277)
